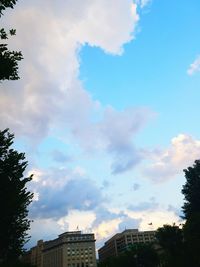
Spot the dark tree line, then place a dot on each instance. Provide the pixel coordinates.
(137, 255)
(14, 200)
(191, 209)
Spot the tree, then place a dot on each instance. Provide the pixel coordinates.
(14, 199)
(144, 255)
(170, 241)
(138, 255)
(191, 210)
(8, 59)
(191, 190)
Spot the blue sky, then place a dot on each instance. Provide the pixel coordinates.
(106, 110)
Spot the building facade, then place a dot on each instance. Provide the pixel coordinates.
(122, 241)
(70, 249)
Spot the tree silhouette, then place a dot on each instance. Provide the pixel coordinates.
(14, 199)
(171, 245)
(138, 255)
(191, 210)
(191, 190)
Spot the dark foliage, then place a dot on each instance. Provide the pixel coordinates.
(5, 4)
(191, 190)
(8, 59)
(14, 199)
(191, 210)
(143, 255)
(170, 245)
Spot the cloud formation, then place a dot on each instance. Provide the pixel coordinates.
(59, 191)
(167, 163)
(49, 90)
(49, 98)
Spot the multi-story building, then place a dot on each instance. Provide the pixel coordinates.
(122, 241)
(70, 249)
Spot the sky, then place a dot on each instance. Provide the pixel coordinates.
(106, 110)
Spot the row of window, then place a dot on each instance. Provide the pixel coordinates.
(140, 238)
(72, 253)
(80, 264)
(74, 238)
(73, 249)
(78, 259)
(140, 235)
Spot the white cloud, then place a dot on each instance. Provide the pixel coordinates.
(169, 162)
(194, 67)
(107, 228)
(49, 96)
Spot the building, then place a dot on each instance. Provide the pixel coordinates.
(70, 249)
(36, 254)
(122, 241)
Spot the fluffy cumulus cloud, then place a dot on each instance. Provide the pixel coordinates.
(49, 97)
(117, 221)
(167, 163)
(49, 90)
(194, 67)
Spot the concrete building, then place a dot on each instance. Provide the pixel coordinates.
(122, 241)
(70, 249)
(36, 254)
